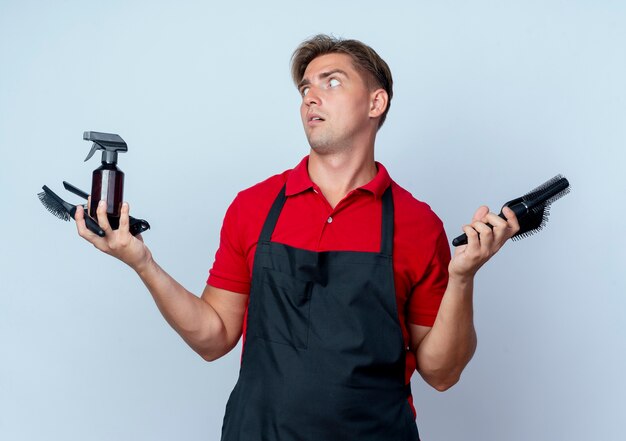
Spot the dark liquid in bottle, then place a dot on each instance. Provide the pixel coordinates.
(108, 184)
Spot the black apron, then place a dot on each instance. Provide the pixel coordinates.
(324, 357)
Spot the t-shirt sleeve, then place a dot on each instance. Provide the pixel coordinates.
(230, 269)
(427, 294)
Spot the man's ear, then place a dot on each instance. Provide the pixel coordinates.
(378, 102)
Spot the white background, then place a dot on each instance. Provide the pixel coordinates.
(492, 98)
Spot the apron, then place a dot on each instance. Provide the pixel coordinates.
(324, 357)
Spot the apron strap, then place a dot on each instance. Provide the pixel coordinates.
(272, 217)
(386, 242)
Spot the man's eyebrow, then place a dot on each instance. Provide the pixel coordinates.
(306, 82)
(302, 83)
(332, 72)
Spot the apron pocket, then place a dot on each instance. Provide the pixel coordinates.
(284, 309)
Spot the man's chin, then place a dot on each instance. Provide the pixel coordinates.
(322, 149)
(321, 146)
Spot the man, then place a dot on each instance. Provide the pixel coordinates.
(339, 280)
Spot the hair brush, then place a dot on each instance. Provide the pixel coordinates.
(64, 210)
(532, 209)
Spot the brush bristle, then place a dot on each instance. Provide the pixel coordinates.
(53, 206)
(523, 234)
(547, 187)
(537, 217)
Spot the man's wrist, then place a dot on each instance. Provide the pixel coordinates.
(147, 266)
(461, 281)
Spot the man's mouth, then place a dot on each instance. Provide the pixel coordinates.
(313, 118)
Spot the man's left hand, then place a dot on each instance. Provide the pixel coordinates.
(482, 241)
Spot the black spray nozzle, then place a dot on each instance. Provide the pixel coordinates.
(109, 143)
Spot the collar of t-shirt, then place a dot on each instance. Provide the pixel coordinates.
(299, 180)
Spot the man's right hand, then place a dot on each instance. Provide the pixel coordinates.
(117, 243)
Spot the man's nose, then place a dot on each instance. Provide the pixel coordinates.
(312, 97)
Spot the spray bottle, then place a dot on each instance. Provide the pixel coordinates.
(107, 180)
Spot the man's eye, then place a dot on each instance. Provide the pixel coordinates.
(304, 91)
(334, 82)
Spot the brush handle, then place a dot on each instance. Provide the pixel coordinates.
(92, 225)
(77, 191)
(519, 209)
(137, 226)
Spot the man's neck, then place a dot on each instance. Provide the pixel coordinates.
(337, 174)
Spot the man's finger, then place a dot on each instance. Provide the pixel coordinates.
(124, 218)
(485, 232)
(480, 213)
(473, 242)
(103, 219)
(495, 220)
(79, 217)
(511, 219)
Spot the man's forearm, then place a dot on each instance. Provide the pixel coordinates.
(191, 317)
(450, 344)
(198, 322)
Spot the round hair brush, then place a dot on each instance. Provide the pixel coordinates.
(532, 209)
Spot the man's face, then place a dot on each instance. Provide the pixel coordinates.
(336, 103)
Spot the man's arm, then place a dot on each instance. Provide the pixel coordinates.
(211, 324)
(443, 351)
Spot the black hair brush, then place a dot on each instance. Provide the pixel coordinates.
(532, 209)
(64, 210)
